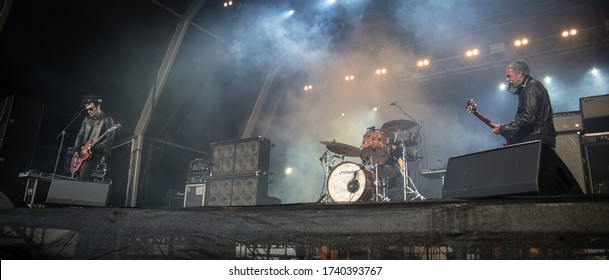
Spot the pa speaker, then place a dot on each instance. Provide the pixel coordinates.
(238, 157)
(78, 193)
(525, 169)
(237, 191)
(569, 149)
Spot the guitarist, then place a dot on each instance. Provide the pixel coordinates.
(534, 115)
(94, 125)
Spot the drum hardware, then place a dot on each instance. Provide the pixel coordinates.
(399, 126)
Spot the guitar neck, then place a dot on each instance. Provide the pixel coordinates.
(483, 119)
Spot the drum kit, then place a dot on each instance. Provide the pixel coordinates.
(384, 155)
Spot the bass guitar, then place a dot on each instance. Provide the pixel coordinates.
(471, 108)
(78, 159)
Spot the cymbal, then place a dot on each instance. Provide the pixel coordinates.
(342, 149)
(396, 125)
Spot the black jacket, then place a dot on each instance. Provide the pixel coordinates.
(534, 116)
(91, 129)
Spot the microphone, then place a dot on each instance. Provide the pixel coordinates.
(393, 103)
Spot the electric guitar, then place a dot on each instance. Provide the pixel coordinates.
(471, 108)
(77, 160)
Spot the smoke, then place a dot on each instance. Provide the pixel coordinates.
(326, 47)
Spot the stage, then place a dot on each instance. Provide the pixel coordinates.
(559, 227)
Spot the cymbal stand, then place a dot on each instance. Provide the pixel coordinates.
(325, 195)
(409, 186)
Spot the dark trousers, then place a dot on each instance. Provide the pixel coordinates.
(88, 166)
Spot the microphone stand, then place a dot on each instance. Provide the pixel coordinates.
(62, 134)
(407, 180)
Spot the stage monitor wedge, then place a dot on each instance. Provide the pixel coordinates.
(530, 168)
(79, 193)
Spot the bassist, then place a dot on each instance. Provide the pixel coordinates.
(94, 125)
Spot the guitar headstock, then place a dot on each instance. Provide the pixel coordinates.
(471, 106)
(115, 127)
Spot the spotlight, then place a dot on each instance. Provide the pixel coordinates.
(288, 171)
(381, 71)
(502, 86)
(520, 42)
(423, 62)
(291, 12)
(547, 79)
(308, 87)
(573, 31)
(565, 33)
(594, 71)
(374, 109)
(343, 114)
(473, 52)
(229, 3)
(331, 1)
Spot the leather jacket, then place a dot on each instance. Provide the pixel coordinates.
(91, 129)
(533, 119)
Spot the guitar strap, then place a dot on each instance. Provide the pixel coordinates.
(96, 130)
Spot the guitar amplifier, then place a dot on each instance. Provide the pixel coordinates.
(568, 121)
(595, 113)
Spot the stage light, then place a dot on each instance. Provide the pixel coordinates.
(343, 114)
(291, 12)
(473, 52)
(548, 79)
(288, 170)
(331, 1)
(594, 71)
(502, 86)
(229, 3)
(521, 42)
(308, 87)
(381, 71)
(423, 62)
(349, 78)
(374, 109)
(571, 32)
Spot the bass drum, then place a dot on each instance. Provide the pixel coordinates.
(349, 182)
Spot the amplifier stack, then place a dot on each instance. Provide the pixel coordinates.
(595, 116)
(196, 182)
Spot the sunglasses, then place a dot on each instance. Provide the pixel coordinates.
(91, 109)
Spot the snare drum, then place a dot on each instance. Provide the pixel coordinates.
(375, 146)
(349, 182)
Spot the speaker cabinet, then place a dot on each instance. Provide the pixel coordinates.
(194, 195)
(595, 113)
(237, 191)
(238, 157)
(597, 158)
(79, 193)
(567, 122)
(525, 169)
(569, 149)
